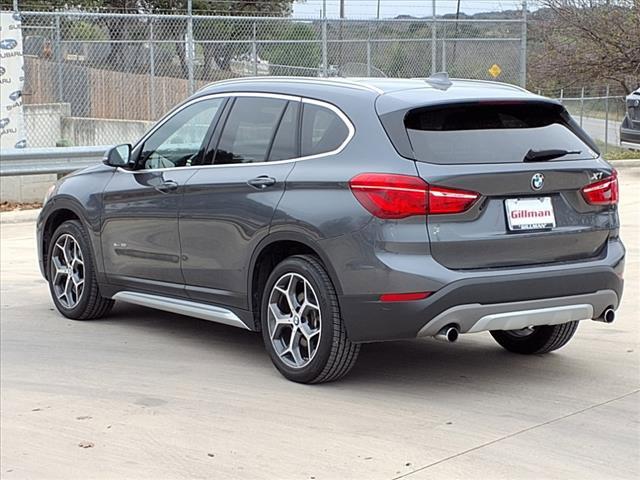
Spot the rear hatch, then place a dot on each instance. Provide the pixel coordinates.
(529, 163)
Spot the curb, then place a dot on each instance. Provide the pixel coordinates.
(19, 216)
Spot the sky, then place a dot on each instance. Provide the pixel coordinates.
(393, 8)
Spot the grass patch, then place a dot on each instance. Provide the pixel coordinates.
(617, 153)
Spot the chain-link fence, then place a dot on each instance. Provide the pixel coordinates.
(105, 76)
(598, 110)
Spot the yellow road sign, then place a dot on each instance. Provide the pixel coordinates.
(495, 70)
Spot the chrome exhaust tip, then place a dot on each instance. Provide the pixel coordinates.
(448, 334)
(608, 316)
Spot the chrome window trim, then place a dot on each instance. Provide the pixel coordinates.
(351, 130)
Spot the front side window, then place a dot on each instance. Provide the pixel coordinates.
(322, 130)
(179, 142)
(249, 130)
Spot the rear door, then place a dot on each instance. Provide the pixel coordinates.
(228, 206)
(528, 162)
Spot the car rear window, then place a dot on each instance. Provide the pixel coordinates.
(493, 132)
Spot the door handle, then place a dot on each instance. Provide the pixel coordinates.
(262, 182)
(167, 186)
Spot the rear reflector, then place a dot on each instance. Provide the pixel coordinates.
(602, 192)
(403, 297)
(392, 196)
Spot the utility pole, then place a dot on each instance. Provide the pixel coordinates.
(378, 11)
(341, 8)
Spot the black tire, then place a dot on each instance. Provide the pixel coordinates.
(90, 304)
(543, 339)
(335, 354)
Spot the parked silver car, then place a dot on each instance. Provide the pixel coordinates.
(630, 127)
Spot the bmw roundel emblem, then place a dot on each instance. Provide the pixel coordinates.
(537, 181)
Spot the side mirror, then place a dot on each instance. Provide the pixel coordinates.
(118, 156)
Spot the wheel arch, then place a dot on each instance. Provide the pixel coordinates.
(63, 210)
(271, 251)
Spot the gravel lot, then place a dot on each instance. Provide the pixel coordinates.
(156, 395)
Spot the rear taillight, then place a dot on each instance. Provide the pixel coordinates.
(448, 200)
(602, 192)
(391, 196)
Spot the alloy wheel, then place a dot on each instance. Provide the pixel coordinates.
(67, 268)
(294, 320)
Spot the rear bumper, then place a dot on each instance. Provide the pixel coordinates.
(476, 317)
(524, 296)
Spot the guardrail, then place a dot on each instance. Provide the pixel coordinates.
(35, 161)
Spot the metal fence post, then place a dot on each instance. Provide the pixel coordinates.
(444, 56)
(368, 49)
(325, 60)
(523, 46)
(152, 72)
(58, 56)
(434, 48)
(254, 51)
(581, 105)
(606, 120)
(190, 46)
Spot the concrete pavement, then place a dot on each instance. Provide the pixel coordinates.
(156, 395)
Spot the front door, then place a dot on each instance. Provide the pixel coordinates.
(140, 240)
(228, 206)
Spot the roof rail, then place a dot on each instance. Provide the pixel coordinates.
(335, 81)
(493, 82)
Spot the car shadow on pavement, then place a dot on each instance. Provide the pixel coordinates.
(474, 361)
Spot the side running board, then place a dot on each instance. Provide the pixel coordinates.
(183, 307)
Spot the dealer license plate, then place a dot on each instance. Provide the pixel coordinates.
(530, 214)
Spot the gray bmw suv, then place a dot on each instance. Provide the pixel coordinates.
(325, 213)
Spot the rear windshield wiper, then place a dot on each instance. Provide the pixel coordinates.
(543, 155)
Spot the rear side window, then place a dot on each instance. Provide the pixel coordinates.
(493, 132)
(285, 143)
(322, 130)
(249, 130)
